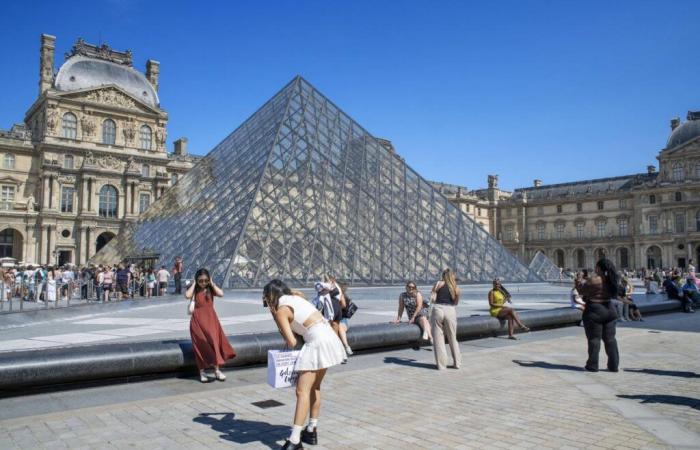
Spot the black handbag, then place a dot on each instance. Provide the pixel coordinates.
(350, 309)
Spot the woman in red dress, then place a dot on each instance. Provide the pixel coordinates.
(210, 345)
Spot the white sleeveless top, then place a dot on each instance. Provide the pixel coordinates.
(302, 311)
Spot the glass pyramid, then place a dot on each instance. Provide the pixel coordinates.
(300, 189)
(546, 269)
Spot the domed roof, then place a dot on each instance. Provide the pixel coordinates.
(82, 72)
(685, 132)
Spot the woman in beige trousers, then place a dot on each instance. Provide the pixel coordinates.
(443, 320)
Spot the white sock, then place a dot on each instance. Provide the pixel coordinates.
(295, 437)
(313, 423)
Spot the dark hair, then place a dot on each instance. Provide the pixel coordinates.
(199, 272)
(611, 281)
(273, 291)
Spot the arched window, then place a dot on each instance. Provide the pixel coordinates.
(697, 170)
(8, 162)
(677, 172)
(580, 259)
(145, 137)
(109, 132)
(145, 170)
(108, 201)
(697, 221)
(69, 126)
(623, 258)
(68, 162)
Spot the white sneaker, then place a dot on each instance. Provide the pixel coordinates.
(203, 377)
(219, 375)
(348, 350)
(425, 335)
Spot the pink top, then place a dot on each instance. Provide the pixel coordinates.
(107, 277)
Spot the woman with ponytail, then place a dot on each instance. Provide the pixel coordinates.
(443, 319)
(599, 317)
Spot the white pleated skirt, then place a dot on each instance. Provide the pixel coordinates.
(322, 349)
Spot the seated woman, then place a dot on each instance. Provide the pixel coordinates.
(416, 309)
(576, 299)
(497, 298)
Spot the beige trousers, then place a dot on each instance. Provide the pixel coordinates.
(443, 322)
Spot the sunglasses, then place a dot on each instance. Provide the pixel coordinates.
(203, 280)
(410, 287)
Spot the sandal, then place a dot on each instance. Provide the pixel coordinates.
(525, 329)
(219, 375)
(203, 377)
(513, 338)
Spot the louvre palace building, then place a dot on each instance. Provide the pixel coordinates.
(88, 157)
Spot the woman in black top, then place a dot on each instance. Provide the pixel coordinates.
(443, 319)
(599, 317)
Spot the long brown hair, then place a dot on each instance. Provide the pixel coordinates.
(449, 278)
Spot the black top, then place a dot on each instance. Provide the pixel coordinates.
(443, 296)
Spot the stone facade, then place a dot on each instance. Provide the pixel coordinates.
(647, 219)
(89, 157)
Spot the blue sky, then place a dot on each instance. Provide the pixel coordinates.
(557, 90)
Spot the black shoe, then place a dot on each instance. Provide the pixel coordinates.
(309, 437)
(613, 369)
(590, 369)
(289, 446)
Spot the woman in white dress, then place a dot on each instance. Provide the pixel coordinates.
(51, 286)
(322, 349)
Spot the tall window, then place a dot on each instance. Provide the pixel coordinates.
(7, 197)
(579, 207)
(8, 161)
(540, 211)
(108, 201)
(173, 180)
(509, 212)
(623, 203)
(145, 137)
(69, 126)
(622, 227)
(109, 132)
(559, 209)
(680, 223)
(145, 170)
(652, 199)
(144, 202)
(68, 162)
(509, 232)
(6, 242)
(579, 230)
(653, 224)
(697, 221)
(559, 229)
(600, 228)
(678, 196)
(540, 231)
(697, 170)
(600, 206)
(580, 258)
(624, 258)
(677, 172)
(67, 193)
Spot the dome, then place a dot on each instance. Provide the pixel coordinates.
(683, 133)
(82, 72)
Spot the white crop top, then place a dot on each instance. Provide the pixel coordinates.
(302, 311)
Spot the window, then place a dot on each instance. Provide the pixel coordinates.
(7, 197)
(680, 222)
(145, 170)
(69, 126)
(622, 227)
(653, 224)
(478, 211)
(173, 178)
(600, 206)
(6, 242)
(109, 132)
(652, 199)
(108, 201)
(540, 211)
(144, 202)
(559, 229)
(697, 170)
(600, 228)
(623, 203)
(679, 196)
(579, 230)
(540, 231)
(509, 232)
(145, 137)
(624, 258)
(697, 221)
(580, 259)
(509, 212)
(8, 162)
(68, 162)
(67, 199)
(579, 207)
(559, 209)
(677, 172)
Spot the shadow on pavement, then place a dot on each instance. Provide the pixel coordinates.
(669, 373)
(546, 365)
(408, 362)
(243, 431)
(665, 399)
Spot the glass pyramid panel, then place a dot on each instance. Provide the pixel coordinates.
(300, 189)
(546, 269)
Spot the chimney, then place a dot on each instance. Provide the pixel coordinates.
(48, 46)
(181, 146)
(651, 169)
(537, 183)
(675, 122)
(152, 72)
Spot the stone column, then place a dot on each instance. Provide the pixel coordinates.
(127, 196)
(52, 192)
(87, 244)
(79, 248)
(84, 196)
(45, 193)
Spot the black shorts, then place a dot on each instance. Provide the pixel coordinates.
(123, 287)
(337, 310)
(163, 285)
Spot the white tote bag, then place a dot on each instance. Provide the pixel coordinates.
(280, 368)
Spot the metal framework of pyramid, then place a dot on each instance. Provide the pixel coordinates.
(300, 189)
(546, 269)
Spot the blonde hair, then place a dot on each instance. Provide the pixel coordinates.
(449, 278)
(298, 293)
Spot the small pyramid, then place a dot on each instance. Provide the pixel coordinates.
(300, 189)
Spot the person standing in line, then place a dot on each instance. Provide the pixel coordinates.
(443, 319)
(177, 274)
(67, 279)
(209, 343)
(322, 349)
(150, 283)
(599, 317)
(123, 278)
(107, 279)
(163, 277)
(497, 298)
(416, 308)
(51, 285)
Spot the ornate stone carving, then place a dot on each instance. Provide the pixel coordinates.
(89, 160)
(111, 97)
(109, 162)
(132, 166)
(161, 136)
(129, 131)
(66, 179)
(103, 52)
(87, 124)
(51, 120)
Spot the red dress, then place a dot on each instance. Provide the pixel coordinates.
(210, 345)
